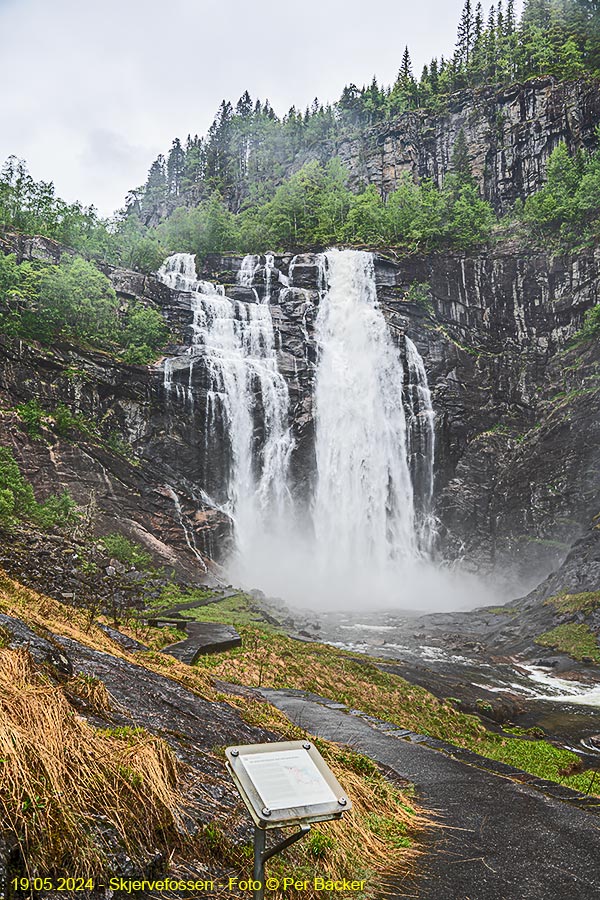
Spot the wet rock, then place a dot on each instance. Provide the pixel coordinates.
(123, 639)
(41, 650)
(204, 638)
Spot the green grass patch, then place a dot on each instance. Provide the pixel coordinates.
(586, 602)
(125, 551)
(236, 611)
(577, 641)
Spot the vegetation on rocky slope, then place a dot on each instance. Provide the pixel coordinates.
(270, 658)
(74, 301)
(18, 502)
(73, 787)
(69, 788)
(576, 640)
(248, 150)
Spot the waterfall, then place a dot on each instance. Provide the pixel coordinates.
(245, 395)
(364, 509)
(421, 446)
(368, 525)
(269, 266)
(248, 269)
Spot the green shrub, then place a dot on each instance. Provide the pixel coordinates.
(17, 500)
(591, 323)
(126, 551)
(32, 416)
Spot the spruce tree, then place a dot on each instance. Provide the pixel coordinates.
(466, 35)
(244, 106)
(175, 168)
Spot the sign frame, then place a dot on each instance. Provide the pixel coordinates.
(266, 818)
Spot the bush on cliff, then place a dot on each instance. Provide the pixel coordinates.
(75, 301)
(17, 500)
(568, 206)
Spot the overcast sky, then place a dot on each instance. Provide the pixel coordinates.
(93, 91)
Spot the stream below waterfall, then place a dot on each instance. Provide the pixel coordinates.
(566, 708)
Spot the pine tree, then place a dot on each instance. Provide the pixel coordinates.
(156, 185)
(466, 35)
(478, 23)
(406, 74)
(490, 44)
(536, 14)
(244, 106)
(434, 73)
(460, 163)
(175, 168)
(500, 20)
(511, 21)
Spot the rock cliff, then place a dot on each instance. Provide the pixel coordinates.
(517, 409)
(510, 133)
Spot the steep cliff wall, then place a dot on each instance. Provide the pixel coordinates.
(510, 134)
(517, 414)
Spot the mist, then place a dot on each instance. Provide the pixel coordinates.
(290, 566)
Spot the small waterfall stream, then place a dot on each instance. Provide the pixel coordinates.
(372, 505)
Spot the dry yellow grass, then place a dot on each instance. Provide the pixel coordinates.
(59, 776)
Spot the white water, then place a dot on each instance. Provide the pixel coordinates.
(245, 393)
(364, 515)
(367, 537)
(421, 446)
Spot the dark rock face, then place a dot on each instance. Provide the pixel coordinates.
(41, 650)
(510, 134)
(517, 414)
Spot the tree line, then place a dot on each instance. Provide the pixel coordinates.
(248, 150)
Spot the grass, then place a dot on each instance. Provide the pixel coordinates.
(271, 659)
(236, 610)
(586, 602)
(72, 772)
(378, 837)
(577, 641)
(60, 775)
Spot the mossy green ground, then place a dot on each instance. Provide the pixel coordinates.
(586, 602)
(270, 658)
(577, 641)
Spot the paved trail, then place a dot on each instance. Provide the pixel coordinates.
(502, 841)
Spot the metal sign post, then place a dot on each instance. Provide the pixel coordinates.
(283, 784)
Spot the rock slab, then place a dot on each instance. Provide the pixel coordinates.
(204, 637)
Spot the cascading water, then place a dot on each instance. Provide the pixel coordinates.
(363, 510)
(421, 447)
(370, 525)
(246, 396)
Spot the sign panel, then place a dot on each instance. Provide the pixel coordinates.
(287, 779)
(286, 783)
